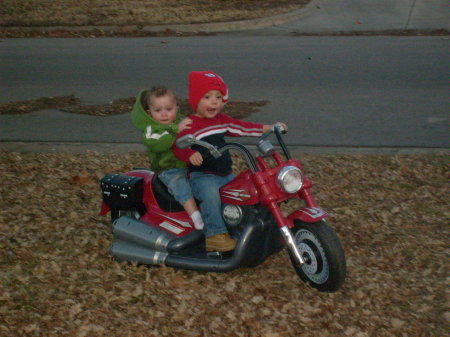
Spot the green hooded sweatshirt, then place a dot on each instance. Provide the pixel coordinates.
(157, 137)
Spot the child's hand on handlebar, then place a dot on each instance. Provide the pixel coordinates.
(267, 128)
(283, 125)
(196, 159)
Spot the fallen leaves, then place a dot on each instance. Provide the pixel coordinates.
(57, 278)
(85, 178)
(54, 102)
(73, 104)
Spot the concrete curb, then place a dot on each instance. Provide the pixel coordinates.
(214, 27)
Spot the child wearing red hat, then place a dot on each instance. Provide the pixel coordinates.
(208, 94)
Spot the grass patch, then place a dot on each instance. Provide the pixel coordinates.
(137, 12)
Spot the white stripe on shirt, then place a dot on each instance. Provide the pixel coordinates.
(228, 127)
(149, 135)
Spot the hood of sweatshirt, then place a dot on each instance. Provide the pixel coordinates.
(160, 160)
(139, 116)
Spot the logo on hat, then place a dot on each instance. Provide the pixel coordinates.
(210, 75)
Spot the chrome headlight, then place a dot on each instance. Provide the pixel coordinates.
(232, 214)
(290, 179)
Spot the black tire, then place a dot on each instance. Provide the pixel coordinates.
(325, 266)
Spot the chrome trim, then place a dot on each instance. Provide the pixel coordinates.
(291, 244)
(227, 220)
(162, 241)
(282, 173)
(159, 258)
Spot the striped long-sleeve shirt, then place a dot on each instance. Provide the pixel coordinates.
(213, 131)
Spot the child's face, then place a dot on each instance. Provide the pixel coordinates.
(210, 104)
(163, 109)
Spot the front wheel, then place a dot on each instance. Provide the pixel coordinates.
(321, 249)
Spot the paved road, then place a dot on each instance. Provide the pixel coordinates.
(345, 93)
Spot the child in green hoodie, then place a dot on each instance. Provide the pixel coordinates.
(155, 112)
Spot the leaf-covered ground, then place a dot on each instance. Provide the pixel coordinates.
(72, 104)
(57, 279)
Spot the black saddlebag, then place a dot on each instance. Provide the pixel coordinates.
(123, 192)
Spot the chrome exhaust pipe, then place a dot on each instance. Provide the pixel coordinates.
(128, 251)
(152, 237)
(138, 232)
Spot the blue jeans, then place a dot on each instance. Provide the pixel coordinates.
(176, 181)
(206, 189)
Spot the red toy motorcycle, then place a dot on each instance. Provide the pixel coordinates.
(150, 227)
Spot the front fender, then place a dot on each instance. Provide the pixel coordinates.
(307, 214)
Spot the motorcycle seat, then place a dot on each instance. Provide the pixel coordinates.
(165, 200)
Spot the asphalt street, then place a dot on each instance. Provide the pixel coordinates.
(347, 94)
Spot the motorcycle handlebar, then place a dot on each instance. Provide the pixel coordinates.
(280, 128)
(189, 140)
(278, 131)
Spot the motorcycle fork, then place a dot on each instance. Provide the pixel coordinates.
(306, 195)
(283, 225)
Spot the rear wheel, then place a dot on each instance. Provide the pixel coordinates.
(321, 249)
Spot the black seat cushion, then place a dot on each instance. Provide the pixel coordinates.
(165, 200)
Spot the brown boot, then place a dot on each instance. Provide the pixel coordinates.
(220, 242)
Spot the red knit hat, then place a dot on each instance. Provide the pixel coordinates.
(200, 82)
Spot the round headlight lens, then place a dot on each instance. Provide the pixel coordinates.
(232, 214)
(290, 179)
